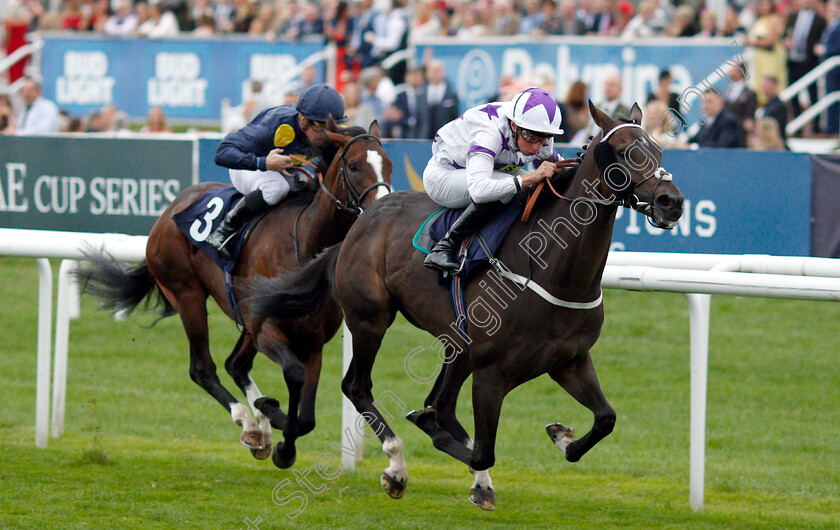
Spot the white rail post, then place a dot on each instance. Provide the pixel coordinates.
(349, 416)
(42, 392)
(62, 340)
(699, 309)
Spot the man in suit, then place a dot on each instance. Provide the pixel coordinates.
(774, 108)
(804, 30)
(720, 128)
(441, 98)
(408, 117)
(830, 47)
(612, 105)
(739, 99)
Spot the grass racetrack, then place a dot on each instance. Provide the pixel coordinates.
(144, 447)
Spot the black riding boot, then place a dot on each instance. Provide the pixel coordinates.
(251, 205)
(444, 255)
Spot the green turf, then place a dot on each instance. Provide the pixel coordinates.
(144, 447)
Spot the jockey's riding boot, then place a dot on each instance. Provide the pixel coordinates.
(251, 205)
(444, 255)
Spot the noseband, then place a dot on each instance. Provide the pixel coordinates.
(356, 198)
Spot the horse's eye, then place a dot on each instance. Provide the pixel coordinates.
(352, 166)
(621, 152)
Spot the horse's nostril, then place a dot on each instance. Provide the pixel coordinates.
(665, 202)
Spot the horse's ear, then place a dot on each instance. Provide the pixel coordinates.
(331, 126)
(337, 139)
(636, 114)
(375, 129)
(601, 119)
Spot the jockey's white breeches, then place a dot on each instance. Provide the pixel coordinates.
(273, 184)
(452, 188)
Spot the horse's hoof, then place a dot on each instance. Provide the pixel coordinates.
(483, 498)
(252, 440)
(281, 459)
(561, 435)
(393, 487)
(261, 454)
(416, 415)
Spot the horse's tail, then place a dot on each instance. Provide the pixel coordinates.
(121, 288)
(298, 293)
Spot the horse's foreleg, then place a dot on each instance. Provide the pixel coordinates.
(357, 386)
(581, 382)
(239, 365)
(489, 388)
(312, 367)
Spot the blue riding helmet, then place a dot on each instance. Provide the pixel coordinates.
(319, 101)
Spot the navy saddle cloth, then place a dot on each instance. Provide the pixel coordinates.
(493, 233)
(203, 216)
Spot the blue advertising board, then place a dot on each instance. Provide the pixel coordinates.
(189, 78)
(476, 68)
(736, 201)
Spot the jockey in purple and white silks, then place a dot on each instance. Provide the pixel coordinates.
(479, 160)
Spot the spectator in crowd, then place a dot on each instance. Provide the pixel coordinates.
(394, 39)
(472, 27)
(408, 117)
(201, 9)
(441, 97)
(804, 29)
(533, 18)
(40, 115)
(622, 14)
(357, 112)
(739, 99)
(72, 18)
(263, 24)
(774, 107)
(123, 23)
(223, 15)
(369, 81)
(603, 19)
(666, 96)
(156, 122)
(100, 15)
(770, 56)
(766, 136)
(643, 24)
(338, 29)
(243, 16)
(612, 105)
(205, 27)
(566, 20)
(577, 108)
(370, 23)
(720, 128)
(708, 24)
(829, 47)
(683, 24)
(731, 25)
(426, 22)
(506, 18)
(309, 24)
(7, 116)
(662, 125)
(161, 23)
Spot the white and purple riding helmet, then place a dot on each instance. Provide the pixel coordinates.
(536, 110)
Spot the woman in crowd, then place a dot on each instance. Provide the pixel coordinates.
(770, 53)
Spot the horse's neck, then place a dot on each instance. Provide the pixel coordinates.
(322, 225)
(576, 269)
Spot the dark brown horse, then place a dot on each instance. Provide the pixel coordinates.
(514, 334)
(297, 230)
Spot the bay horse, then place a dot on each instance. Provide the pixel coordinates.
(514, 334)
(183, 277)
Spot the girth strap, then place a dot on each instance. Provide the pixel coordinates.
(503, 271)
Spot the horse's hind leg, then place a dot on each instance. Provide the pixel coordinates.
(489, 388)
(581, 382)
(191, 306)
(312, 369)
(239, 365)
(368, 330)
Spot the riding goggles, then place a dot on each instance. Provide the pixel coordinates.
(533, 137)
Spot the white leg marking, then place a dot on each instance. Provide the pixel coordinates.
(375, 161)
(470, 444)
(482, 480)
(252, 393)
(393, 447)
(242, 417)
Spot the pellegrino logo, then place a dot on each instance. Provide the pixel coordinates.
(85, 80)
(177, 82)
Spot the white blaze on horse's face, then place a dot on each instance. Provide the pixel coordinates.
(375, 161)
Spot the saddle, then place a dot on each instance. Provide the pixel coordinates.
(435, 227)
(203, 216)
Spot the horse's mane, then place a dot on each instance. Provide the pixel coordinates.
(306, 195)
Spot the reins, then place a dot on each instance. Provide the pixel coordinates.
(355, 204)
